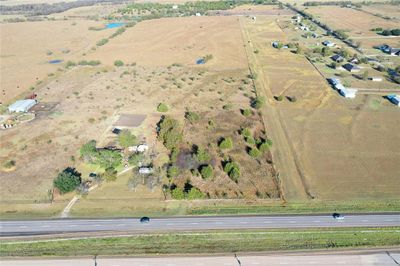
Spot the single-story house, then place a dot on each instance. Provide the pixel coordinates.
(333, 81)
(328, 43)
(395, 99)
(351, 68)
(375, 79)
(337, 58)
(348, 93)
(22, 106)
(390, 50)
(395, 52)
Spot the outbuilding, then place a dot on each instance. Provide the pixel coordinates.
(348, 93)
(328, 43)
(351, 68)
(395, 99)
(337, 58)
(378, 79)
(22, 106)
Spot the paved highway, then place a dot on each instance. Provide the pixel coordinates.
(42, 227)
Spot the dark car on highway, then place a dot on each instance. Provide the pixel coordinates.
(144, 220)
(337, 216)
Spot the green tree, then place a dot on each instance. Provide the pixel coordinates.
(233, 170)
(109, 158)
(126, 138)
(254, 152)
(67, 180)
(202, 155)
(172, 171)
(174, 154)
(135, 159)
(170, 132)
(247, 112)
(206, 171)
(88, 151)
(258, 102)
(264, 147)
(195, 193)
(192, 117)
(178, 194)
(110, 174)
(226, 143)
(162, 107)
(118, 63)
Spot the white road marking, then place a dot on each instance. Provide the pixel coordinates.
(194, 223)
(317, 221)
(23, 226)
(364, 220)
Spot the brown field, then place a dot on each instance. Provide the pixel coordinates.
(358, 23)
(178, 40)
(24, 47)
(95, 11)
(89, 101)
(345, 149)
(392, 11)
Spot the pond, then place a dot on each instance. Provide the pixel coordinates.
(55, 61)
(115, 25)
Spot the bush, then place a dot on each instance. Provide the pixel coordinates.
(174, 154)
(178, 194)
(279, 98)
(110, 174)
(126, 139)
(162, 107)
(195, 193)
(247, 112)
(202, 155)
(9, 164)
(192, 117)
(170, 132)
(135, 159)
(264, 147)
(118, 63)
(245, 132)
(206, 171)
(102, 42)
(67, 180)
(250, 140)
(258, 102)
(233, 170)
(254, 152)
(172, 171)
(226, 143)
(70, 64)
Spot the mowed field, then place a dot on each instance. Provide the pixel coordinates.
(345, 149)
(358, 23)
(385, 10)
(178, 40)
(27, 48)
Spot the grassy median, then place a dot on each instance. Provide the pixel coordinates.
(208, 242)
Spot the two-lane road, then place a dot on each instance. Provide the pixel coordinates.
(42, 227)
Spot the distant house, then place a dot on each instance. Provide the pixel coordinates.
(328, 43)
(395, 99)
(22, 106)
(337, 58)
(198, 15)
(378, 79)
(175, 7)
(145, 170)
(390, 50)
(333, 81)
(305, 28)
(348, 93)
(275, 44)
(139, 148)
(351, 68)
(354, 60)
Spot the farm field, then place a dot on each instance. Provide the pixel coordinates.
(392, 11)
(27, 48)
(167, 41)
(355, 156)
(357, 23)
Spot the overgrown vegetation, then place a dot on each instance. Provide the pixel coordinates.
(67, 180)
(162, 107)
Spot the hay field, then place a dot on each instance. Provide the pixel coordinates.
(166, 41)
(346, 149)
(25, 47)
(357, 22)
(385, 10)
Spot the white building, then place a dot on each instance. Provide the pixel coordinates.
(21, 106)
(139, 148)
(175, 7)
(145, 170)
(348, 93)
(375, 79)
(198, 15)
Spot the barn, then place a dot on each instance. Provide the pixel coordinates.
(22, 106)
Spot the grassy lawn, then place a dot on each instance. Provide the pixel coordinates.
(208, 242)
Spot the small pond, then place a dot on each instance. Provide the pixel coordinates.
(115, 25)
(55, 61)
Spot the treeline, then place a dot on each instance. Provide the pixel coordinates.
(156, 10)
(47, 9)
(332, 3)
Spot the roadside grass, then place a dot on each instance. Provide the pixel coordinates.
(207, 242)
(100, 204)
